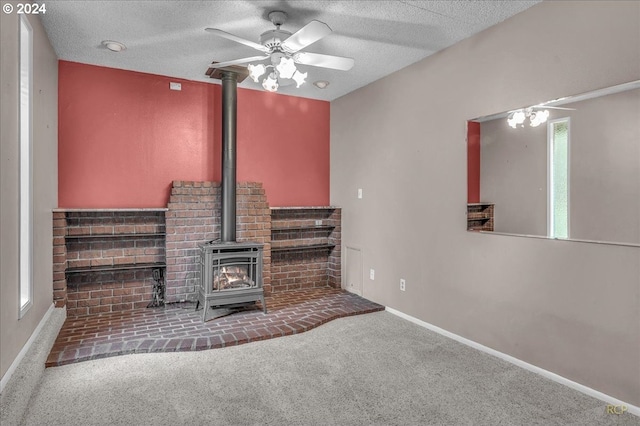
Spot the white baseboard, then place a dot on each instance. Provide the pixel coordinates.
(12, 368)
(522, 364)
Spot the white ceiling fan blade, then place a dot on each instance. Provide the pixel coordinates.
(305, 36)
(237, 39)
(238, 61)
(324, 61)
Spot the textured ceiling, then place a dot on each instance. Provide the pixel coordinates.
(168, 37)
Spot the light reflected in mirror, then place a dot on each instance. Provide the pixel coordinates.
(567, 168)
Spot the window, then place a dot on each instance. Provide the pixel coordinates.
(25, 204)
(558, 178)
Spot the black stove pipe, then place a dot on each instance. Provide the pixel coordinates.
(229, 126)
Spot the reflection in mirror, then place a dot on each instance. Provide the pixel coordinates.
(568, 168)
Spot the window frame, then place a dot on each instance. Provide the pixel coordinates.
(25, 165)
(550, 181)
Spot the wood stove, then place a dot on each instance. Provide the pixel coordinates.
(230, 271)
(230, 275)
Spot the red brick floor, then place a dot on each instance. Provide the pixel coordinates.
(178, 327)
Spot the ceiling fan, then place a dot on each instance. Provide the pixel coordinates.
(537, 114)
(284, 51)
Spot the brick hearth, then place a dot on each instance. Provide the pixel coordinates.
(178, 327)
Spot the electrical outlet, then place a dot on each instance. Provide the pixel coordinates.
(359, 192)
(403, 284)
(318, 223)
(372, 274)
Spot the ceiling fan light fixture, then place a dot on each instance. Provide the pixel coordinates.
(515, 118)
(539, 117)
(256, 71)
(299, 78)
(286, 68)
(536, 117)
(270, 83)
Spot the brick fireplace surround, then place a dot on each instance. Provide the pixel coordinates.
(104, 258)
(193, 218)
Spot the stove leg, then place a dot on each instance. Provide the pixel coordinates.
(205, 310)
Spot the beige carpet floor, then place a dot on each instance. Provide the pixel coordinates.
(373, 369)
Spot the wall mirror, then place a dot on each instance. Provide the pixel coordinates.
(568, 168)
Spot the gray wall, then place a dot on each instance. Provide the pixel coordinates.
(13, 332)
(604, 170)
(571, 308)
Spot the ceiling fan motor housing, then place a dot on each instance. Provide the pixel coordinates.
(273, 39)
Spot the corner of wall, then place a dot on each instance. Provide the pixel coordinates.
(24, 375)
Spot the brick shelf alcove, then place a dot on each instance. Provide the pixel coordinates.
(305, 246)
(103, 258)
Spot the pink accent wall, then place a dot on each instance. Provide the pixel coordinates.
(473, 162)
(124, 137)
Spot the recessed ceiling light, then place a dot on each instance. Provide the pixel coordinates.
(114, 46)
(321, 84)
